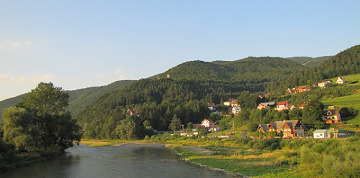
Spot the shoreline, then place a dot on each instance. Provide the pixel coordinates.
(169, 146)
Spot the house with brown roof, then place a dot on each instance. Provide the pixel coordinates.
(331, 116)
(211, 106)
(289, 128)
(231, 102)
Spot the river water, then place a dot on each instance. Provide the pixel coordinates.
(129, 160)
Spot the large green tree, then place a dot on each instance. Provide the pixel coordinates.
(313, 112)
(40, 121)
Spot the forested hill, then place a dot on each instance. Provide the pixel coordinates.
(309, 61)
(78, 98)
(344, 63)
(249, 69)
(156, 101)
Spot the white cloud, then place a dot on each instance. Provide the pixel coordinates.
(117, 71)
(43, 78)
(6, 78)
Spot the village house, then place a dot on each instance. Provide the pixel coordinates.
(208, 124)
(266, 105)
(340, 80)
(298, 90)
(289, 128)
(322, 84)
(284, 106)
(211, 106)
(236, 110)
(231, 102)
(131, 112)
(320, 134)
(331, 116)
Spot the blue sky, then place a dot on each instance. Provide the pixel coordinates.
(82, 43)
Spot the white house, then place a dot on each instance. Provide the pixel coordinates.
(320, 133)
(340, 80)
(209, 125)
(236, 110)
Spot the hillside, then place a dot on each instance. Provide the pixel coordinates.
(248, 69)
(78, 99)
(309, 61)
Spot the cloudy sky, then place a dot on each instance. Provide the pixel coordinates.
(81, 43)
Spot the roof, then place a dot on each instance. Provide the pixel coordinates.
(320, 131)
(210, 104)
(331, 112)
(283, 103)
(263, 126)
(208, 120)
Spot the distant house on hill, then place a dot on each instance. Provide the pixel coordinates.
(331, 116)
(236, 110)
(298, 90)
(131, 112)
(284, 106)
(289, 128)
(322, 84)
(340, 80)
(208, 124)
(231, 102)
(265, 105)
(211, 106)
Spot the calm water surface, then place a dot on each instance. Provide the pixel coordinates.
(129, 160)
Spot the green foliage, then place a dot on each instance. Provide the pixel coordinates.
(175, 123)
(39, 122)
(313, 112)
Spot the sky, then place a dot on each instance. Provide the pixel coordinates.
(83, 43)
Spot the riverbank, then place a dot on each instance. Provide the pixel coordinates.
(234, 161)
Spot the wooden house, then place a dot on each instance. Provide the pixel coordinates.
(332, 117)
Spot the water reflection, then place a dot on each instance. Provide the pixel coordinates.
(130, 160)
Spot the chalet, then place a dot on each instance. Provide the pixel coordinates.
(265, 105)
(289, 128)
(298, 90)
(320, 134)
(211, 106)
(209, 125)
(340, 80)
(331, 116)
(236, 110)
(282, 105)
(323, 84)
(231, 102)
(131, 112)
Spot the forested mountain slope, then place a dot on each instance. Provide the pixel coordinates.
(78, 98)
(344, 63)
(249, 69)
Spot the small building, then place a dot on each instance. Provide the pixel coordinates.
(211, 106)
(236, 110)
(320, 134)
(266, 105)
(282, 105)
(336, 133)
(331, 116)
(208, 124)
(131, 112)
(323, 83)
(231, 102)
(340, 80)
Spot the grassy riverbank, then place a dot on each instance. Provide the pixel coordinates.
(266, 157)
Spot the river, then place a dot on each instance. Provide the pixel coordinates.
(128, 160)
